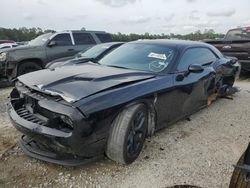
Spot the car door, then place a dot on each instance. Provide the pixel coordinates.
(190, 90)
(83, 41)
(59, 46)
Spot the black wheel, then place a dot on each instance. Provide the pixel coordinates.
(238, 179)
(27, 67)
(127, 134)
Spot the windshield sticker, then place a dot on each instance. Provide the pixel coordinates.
(157, 66)
(157, 56)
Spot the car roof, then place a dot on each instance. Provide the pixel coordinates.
(240, 28)
(8, 44)
(7, 41)
(173, 43)
(87, 31)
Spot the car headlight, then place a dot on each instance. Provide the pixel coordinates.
(3, 56)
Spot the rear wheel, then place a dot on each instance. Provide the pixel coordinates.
(27, 67)
(127, 134)
(238, 179)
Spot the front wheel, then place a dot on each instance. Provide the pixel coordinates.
(127, 134)
(27, 67)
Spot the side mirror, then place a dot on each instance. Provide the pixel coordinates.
(52, 43)
(233, 61)
(195, 68)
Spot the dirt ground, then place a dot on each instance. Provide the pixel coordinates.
(199, 151)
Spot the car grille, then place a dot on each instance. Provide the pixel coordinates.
(25, 114)
(26, 104)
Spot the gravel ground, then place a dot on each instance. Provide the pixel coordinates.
(198, 152)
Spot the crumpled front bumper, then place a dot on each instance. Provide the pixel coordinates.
(70, 148)
(42, 152)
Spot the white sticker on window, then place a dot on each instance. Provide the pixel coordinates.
(157, 56)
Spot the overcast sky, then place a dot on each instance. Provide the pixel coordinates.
(126, 16)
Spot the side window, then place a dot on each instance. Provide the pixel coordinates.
(238, 34)
(104, 37)
(83, 38)
(195, 56)
(63, 39)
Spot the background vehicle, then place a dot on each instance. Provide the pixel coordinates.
(8, 45)
(237, 44)
(23, 43)
(93, 54)
(6, 41)
(45, 48)
(241, 174)
(77, 113)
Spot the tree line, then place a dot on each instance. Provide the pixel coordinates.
(27, 34)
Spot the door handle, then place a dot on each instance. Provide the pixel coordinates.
(227, 47)
(70, 49)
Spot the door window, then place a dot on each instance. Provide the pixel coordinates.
(238, 34)
(104, 37)
(195, 56)
(83, 38)
(63, 39)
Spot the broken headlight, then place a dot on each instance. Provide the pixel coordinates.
(3, 56)
(67, 123)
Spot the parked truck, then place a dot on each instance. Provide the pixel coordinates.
(45, 48)
(236, 43)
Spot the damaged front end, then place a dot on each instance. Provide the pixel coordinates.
(54, 130)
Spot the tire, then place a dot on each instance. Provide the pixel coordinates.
(238, 179)
(27, 67)
(127, 134)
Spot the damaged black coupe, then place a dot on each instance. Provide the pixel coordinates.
(76, 114)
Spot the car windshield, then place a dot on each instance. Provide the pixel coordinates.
(40, 40)
(138, 56)
(94, 51)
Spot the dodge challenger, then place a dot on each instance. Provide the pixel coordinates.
(72, 115)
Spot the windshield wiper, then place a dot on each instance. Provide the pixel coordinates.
(95, 61)
(116, 66)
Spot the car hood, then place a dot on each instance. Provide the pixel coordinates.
(18, 48)
(75, 82)
(66, 61)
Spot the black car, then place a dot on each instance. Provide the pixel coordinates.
(93, 54)
(79, 113)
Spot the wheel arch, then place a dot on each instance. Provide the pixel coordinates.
(152, 114)
(19, 63)
(35, 60)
